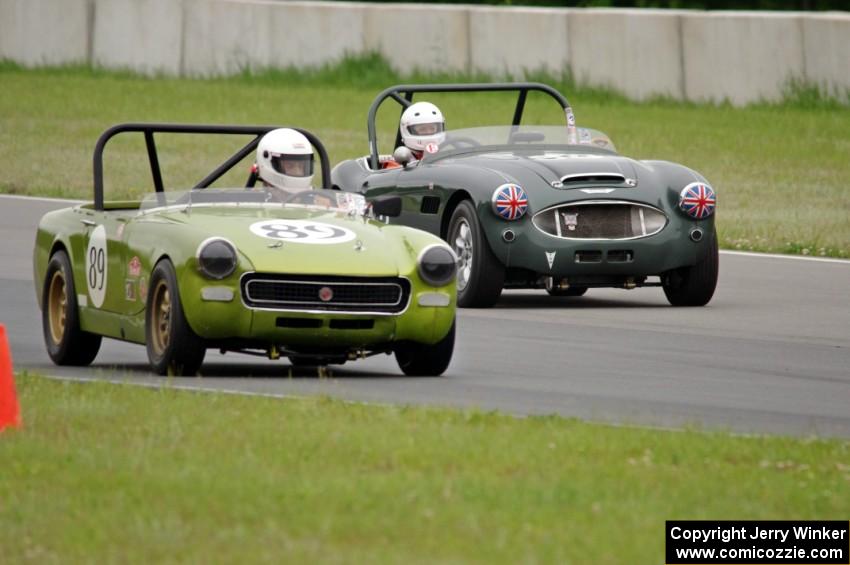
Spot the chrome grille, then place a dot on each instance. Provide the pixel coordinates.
(600, 219)
(325, 293)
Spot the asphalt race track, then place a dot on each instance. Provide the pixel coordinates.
(770, 353)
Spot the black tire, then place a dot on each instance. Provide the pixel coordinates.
(422, 360)
(482, 286)
(173, 348)
(66, 343)
(694, 286)
(572, 291)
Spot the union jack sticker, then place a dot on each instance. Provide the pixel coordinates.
(697, 200)
(510, 201)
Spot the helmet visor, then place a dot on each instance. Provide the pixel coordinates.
(293, 165)
(430, 128)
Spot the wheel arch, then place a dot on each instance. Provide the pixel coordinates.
(453, 202)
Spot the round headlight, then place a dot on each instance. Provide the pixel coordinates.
(697, 200)
(216, 258)
(437, 265)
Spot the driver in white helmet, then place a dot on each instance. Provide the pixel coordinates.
(285, 162)
(422, 128)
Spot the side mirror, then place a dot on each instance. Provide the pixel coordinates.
(402, 155)
(389, 206)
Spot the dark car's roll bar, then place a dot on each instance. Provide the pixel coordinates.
(149, 129)
(403, 94)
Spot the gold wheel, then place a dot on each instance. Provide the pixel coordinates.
(161, 317)
(57, 306)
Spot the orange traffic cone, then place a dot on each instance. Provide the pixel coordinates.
(10, 411)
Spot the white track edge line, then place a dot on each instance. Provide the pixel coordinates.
(281, 396)
(778, 256)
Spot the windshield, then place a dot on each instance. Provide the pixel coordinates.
(261, 196)
(523, 135)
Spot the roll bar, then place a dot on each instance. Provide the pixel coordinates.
(149, 129)
(403, 94)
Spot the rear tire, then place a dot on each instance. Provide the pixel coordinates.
(173, 348)
(694, 285)
(66, 343)
(422, 360)
(481, 275)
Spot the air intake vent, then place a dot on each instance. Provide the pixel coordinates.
(600, 219)
(430, 205)
(593, 178)
(325, 293)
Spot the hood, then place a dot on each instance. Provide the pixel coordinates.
(559, 169)
(274, 239)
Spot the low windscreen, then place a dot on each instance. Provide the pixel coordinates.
(260, 196)
(523, 135)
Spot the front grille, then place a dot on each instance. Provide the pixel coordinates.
(600, 219)
(325, 293)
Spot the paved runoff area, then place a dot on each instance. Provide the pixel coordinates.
(769, 354)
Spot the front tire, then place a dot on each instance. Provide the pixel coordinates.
(173, 348)
(66, 343)
(694, 285)
(422, 360)
(480, 275)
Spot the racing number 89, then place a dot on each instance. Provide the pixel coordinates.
(97, 266)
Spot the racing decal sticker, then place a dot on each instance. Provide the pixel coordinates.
(432, 148)
(550, 258)
(302, 231)
(697, 200)
(134, 267)
(96, 266)
(130, 290)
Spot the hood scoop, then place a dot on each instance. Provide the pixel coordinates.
(585, 179)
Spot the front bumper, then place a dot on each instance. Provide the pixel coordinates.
(532, 249)
(217, 320)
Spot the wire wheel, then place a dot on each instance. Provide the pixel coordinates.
(57, 306)
(161, 328)
(463, 247)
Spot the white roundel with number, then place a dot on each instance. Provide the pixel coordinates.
(302, 231)
(96, 266)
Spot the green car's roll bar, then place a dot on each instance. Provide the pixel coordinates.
(403, 94)
(149, 129)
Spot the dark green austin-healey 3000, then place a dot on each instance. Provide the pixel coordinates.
(554, 207)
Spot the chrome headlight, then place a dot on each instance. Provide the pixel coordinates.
(509, 201)
(437, 265)
(216, 258)
(697, 200)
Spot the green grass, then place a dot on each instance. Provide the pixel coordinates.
(111, 473)
(780, 169)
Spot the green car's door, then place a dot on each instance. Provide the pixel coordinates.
(101, 271)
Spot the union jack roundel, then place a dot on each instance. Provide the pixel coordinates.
(697, 200)
(510, 201)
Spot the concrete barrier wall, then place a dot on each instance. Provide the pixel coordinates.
(634, 51)
(143, 35)
(511, 41)
(427, 37)
(741, 56)
(826, 50)
(702, 56)
(45, 32)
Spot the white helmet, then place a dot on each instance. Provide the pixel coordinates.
(285, 159)
(422, 123)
